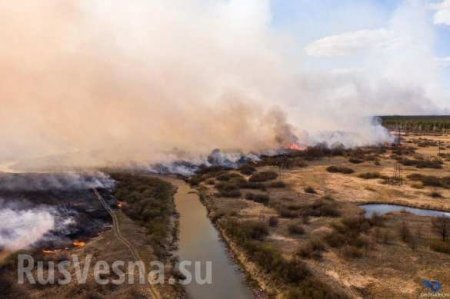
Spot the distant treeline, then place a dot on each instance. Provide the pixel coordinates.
(415, 123)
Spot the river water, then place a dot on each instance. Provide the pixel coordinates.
(382, 209)
(200, 241)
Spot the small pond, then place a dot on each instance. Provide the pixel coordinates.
(382, 209)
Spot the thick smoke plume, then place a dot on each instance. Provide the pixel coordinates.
(95, 83)
(20, 229)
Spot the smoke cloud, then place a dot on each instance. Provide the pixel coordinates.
(68, 181)
(20, 229)
(95, 83)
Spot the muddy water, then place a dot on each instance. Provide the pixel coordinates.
(200, 241)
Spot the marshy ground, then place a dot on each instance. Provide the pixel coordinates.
(299, 209)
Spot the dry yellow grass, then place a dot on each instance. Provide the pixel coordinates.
(386, 270)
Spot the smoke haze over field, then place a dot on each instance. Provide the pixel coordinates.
(20, 229)
(113, 82)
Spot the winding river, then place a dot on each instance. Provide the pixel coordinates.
(200, 241)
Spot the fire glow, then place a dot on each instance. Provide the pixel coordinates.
(79, 244)
(296, 147)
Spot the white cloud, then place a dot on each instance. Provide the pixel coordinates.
(443, 62)
(442, 14)
(349, 43)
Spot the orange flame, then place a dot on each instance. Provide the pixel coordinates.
(296, 147)
(120, 204)
(49, 251)
(79, 244)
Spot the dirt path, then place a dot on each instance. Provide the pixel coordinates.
(154, 293)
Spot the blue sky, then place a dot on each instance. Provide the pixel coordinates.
(372, 21)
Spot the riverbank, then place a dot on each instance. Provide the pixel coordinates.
(309, 216)
(200, 241)
(261, 284)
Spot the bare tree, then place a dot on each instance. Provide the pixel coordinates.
(441, 226)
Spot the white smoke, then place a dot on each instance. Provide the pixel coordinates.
(68, 181)
(21, 229)
(99, 83)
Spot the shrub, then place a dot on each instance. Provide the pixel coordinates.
(277, 184)
(228, 189)
(296, 229)
(348, 233)
(370, 175)
(429, 180)
(435, 164)
(312, 249)
(323, 208)
(441, 226)
(226, 177)
(415, 177)
(431, 163)
(356, 224)
(251, 230)
(247, 169)
(417, 186)
(355, 160)
(263, 176)
(435, 194)
(340, 169)
(432, 181)
(440, 246)
(235, 193)
(406, 235)
(253, 185)
(305, 219)
(294, 271)
(287, 213)
(273, 221)
(260, 198)
(267, 257)
(310, 190)
(352, 252)
(335, 240)
(376, 220)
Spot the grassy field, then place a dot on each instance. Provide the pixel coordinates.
(302, 212)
